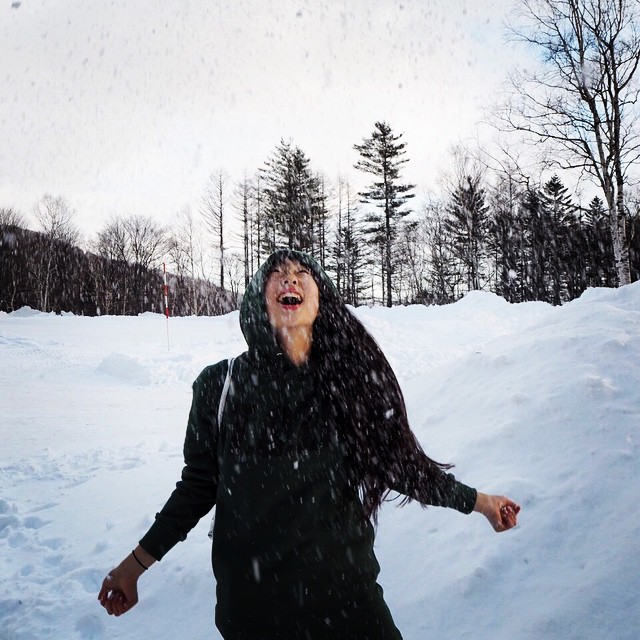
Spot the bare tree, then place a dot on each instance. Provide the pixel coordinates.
(212, 208)
(131, 247)
(184, 250)
(505, 235)
(349, 246)
(55, 219)
(10, 217)
(320, 219)
(235, 273)
(111, 275)
(243, 209)
(443, 273)
(258, 224)
(583, 100)
(146, 243)
(146, 240)
(112, 241)
(414, 262)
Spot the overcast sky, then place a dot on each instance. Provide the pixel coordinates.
(127, 107)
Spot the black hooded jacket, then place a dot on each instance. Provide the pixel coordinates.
(290, 527)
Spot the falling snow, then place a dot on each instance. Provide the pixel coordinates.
(534, 401)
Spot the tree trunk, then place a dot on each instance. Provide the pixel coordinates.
(619, 235)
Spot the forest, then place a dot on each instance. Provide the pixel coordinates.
(522, 244)
(500, 224)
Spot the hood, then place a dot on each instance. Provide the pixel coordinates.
(254, 321)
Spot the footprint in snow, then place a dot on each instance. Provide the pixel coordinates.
(90, 627)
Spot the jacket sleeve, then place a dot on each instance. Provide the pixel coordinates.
(423, 480)
(195, 494)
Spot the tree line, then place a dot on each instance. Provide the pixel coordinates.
(494, 228)
(501, 235)
(46, 270)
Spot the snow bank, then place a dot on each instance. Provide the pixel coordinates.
(537, 402)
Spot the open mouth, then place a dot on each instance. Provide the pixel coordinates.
(290, 300)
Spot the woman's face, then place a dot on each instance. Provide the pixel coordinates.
(292, 297)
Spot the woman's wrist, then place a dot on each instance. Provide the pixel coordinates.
(135, 557)
(146, 558)
(481, 503)
(139, 560)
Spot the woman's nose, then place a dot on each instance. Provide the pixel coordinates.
(290, 279)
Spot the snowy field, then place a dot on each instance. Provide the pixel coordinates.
(539, 403)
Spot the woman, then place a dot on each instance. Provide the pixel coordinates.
(313, 437)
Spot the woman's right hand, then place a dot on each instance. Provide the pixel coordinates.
(119, 591)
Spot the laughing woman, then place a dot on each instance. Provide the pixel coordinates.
(312, 437)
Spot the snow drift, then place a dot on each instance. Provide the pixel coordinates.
(536, 402)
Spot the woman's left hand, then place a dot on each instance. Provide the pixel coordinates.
(501, 512)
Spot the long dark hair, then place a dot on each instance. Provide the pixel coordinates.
(370, 409)
(383, 449)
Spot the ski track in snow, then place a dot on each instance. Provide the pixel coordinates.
(537, 402)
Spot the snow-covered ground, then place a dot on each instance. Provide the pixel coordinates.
(539, 403)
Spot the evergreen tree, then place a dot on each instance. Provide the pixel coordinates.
(601, 269)
(467, 222)
(576, 256)
(382, 156)
(534, 249)
(562, 238)
(633, 235)
(503, 239)
(291, 197)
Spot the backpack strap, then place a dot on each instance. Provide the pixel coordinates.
(221, 403)
(223, 395)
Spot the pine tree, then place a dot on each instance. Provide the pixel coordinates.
(467, 222)
(632, 226)
(601, 263)
(291, 196)
(562, 237)
(382, 156)
(534, 248)
(503, 240)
